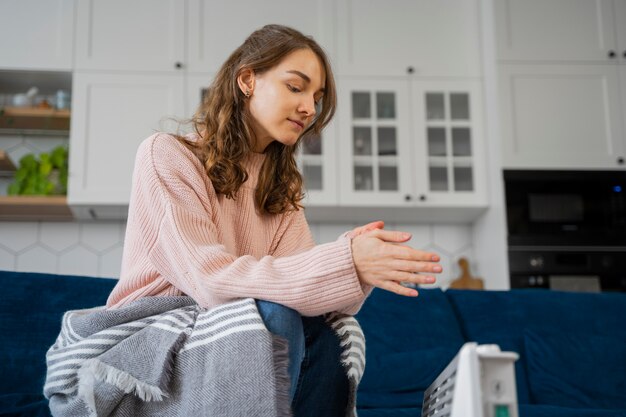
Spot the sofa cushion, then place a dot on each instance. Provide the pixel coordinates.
(576, 370)
(540, 410)
(24, 405)
(30, 320)
(409, 342)
(501, 316)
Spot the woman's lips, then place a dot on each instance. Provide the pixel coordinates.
(298, 124)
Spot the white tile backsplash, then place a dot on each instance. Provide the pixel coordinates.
(87, 248)
(36, 259)
(58, 236)
(78, 261)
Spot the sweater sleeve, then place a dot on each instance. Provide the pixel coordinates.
(297, 238)
(187, 253)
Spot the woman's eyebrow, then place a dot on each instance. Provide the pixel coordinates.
(304, 77)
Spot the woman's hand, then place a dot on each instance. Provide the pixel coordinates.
(367, 228)
(381, 261)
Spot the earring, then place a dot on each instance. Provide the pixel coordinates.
(247, 93)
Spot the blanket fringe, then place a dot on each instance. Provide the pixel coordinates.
(122, 380)
(283, 382)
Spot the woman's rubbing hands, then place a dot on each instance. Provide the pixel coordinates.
(382, 260)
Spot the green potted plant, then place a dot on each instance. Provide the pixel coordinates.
(42, 175)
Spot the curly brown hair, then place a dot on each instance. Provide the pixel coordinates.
(223, 122)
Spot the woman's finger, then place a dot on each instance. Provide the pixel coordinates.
(398, 289)
(416, 267)
(390, 235)
(410, 254)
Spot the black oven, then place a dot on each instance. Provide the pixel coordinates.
(567, 229)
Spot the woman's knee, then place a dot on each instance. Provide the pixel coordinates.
(281, 320)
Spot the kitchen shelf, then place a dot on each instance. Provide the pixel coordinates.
(34, 120)
(35, 208)
(7, 168)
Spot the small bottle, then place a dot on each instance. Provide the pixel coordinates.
(62, 100)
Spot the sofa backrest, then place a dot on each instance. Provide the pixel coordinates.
(31, 308)
(506, 318)
(409, 342)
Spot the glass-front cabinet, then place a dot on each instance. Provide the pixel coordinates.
(374, 145)
(317, 162)
(408, 142)
(447, 125)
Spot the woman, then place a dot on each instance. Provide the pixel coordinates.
(216, 215)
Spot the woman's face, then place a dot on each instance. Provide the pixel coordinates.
(284, 98)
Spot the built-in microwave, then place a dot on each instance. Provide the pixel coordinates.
(570, 208)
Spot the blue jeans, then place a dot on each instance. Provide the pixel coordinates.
(319, 385)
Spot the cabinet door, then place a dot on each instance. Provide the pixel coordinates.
(210, 20)
(620, 23)
(448, 143)
(317, 162)
(440, 38)
(561, 116)
(111, 115)
(556, 30)
(142, 35)
(41, 40)
(375, 154)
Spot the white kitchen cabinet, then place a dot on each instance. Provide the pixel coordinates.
(545, 29)
(411, 144)
(215, 28)
(562, 116)
(560, 30)
(317, 160)
(112, 114)
(561, 83)
(138, 35)
(36, 41)
(449, 139)
(373, 117)
(420, 37)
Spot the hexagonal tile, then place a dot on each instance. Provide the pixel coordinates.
(7, 260)
(452, 237)
(111, 263)
(16, 236)
(420, 234)
(36, 259)
(101, 236)
(78, 261)
(59, 236)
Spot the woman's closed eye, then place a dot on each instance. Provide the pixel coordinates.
(293, 89)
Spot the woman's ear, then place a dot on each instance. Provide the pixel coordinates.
(245, 80)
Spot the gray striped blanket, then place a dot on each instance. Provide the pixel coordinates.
(166, 356)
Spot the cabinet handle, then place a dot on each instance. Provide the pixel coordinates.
(178, 65)
(410, 70)
(620, 160)
(422, 197)
(612, 54)
(407, 197)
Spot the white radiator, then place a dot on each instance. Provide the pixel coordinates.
(478, 382)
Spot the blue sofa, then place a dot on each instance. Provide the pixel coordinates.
(572, 346)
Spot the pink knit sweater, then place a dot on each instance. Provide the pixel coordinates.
(183, 238)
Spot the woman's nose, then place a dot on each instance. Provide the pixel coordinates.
(307, 107)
